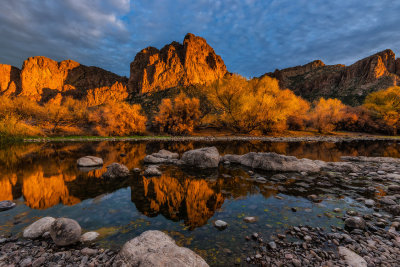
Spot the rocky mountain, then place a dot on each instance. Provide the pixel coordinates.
(351, 83)
(43, 79)
(190, 63)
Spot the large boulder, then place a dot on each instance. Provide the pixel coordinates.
(115, 170)
(38, 228)
(162, 156)
(271, 161)
(65, 231)
(89, 161)
(154, 248)
(206, 157)
(6, 205)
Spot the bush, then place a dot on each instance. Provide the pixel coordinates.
(254, 105)
(326, 114)
(117, 119)
(385, 106)
(179, 116)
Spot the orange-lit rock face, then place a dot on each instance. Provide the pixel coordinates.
(350, 84)
(193, 62)
(10, 83)
(42, 79)
(192, 200)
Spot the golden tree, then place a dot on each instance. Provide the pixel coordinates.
(179, 116)
(326, 114)
(385, 105)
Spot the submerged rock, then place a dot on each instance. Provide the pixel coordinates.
(162, 156)
(38, 228)
(221, 225)
(6, 205)
(65, 231)
(154, 248)
(152, 170)
(89, 237)
(89, 161)
(206, 157)
(115, 170)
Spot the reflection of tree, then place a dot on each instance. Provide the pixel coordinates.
(5, 188)
(192, 200)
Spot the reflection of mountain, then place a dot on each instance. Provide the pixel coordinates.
(192, 200)
(42, 192)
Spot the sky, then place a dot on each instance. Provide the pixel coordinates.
(252, 36)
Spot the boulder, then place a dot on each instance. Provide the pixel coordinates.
(206, 157)
(38, 228)
(355, 223)
(221, 225)
(89, 237)
(6, 205)
(65, 231)
(89, 161)
(352, 258)
(154, 248)
(271, 161)
(115, 170)
(163, 156)
(152, 170)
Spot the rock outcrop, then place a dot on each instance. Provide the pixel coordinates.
(154, 248)
(42, 79)
(193, 62)
(351, 83)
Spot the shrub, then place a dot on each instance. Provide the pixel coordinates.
(326, 114)
(254, 105)
(385, 106)
(117, 119)
(179, 116)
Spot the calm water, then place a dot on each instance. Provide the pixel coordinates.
(44, 181)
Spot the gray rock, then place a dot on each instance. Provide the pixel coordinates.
(250, 219)
(89, 237)
(394, 188)
(116, 170)
(65, 231)
(206, 157)
(6, 205)
(395, 210)
(152, 170)
(355, 223)
(39, 262)
(369, 202)
(38, 228)
(165, 154)
(220, 224)
(89, 161)
(351, 258)
(162, 156)
(154, 248)
(371, 159)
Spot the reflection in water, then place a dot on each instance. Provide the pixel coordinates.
(46, 175)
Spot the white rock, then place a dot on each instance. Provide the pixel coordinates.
(89, 236)
(154, 248)
(89, 161)
(38, 228)
(220, 224)
(351, 258)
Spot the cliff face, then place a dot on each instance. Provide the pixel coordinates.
(43, 79)
(351, 83)
(193, 62)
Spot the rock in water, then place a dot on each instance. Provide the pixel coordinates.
(115, 170)
(152, 170)
(206, 157)
(89, 236)
(38, 228)
(154, 248)
(65, 231)
(6, 205)
(355, 222)
(89, 161)
(351, 258)
(162, 156)
(221, 225)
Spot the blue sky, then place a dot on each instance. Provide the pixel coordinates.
(252, 37)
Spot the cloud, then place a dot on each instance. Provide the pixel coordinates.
(252, 36)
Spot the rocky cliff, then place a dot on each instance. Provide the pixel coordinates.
(351, 83)
(42, 79)
(193, 62)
